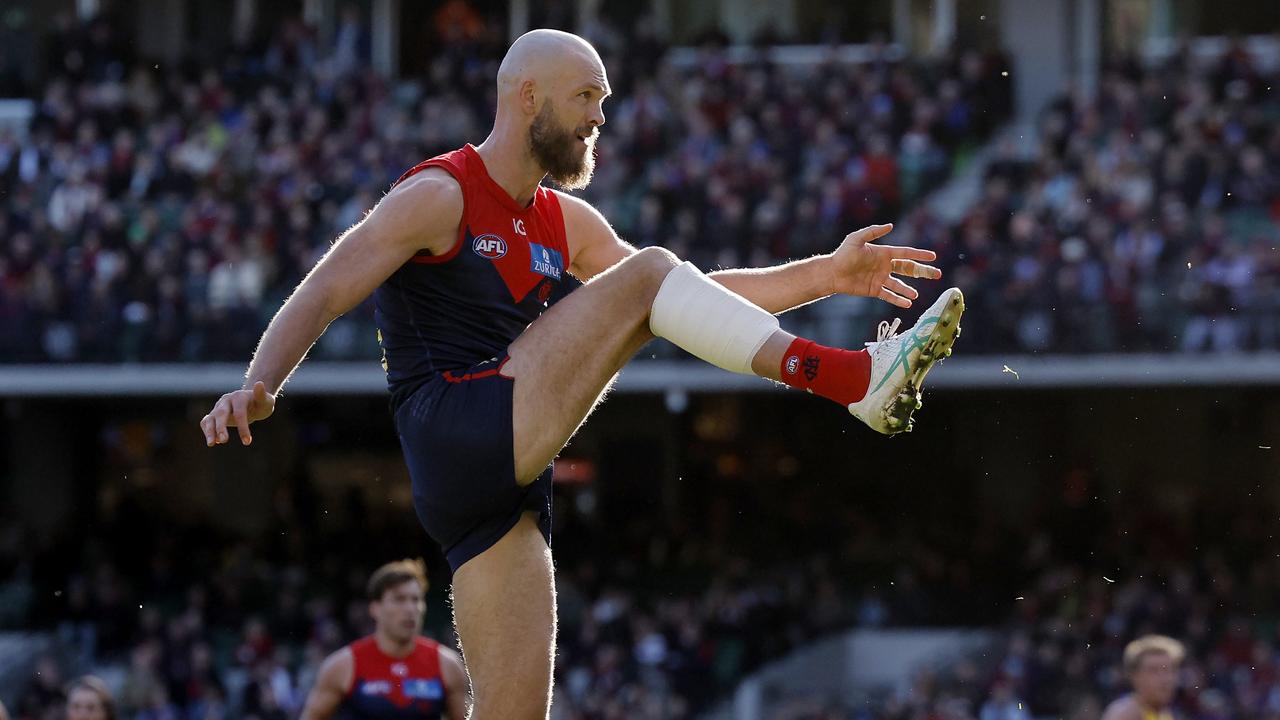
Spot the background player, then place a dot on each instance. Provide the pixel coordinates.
(1151, 664)
(487, 388)
(395, 672)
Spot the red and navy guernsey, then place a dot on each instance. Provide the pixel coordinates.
(388, 688)
(451, 311)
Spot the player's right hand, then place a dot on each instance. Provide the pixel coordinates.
(237, 409)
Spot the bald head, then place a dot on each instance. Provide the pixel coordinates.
(551, 90)
(548, 57)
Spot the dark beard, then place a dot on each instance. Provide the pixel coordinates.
(555, 150)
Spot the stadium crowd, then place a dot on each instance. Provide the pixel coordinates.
(660, 622)
(210, 627)
(1060, 656)
(162, 213)
(1149, 218)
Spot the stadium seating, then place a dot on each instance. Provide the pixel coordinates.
(163, 215)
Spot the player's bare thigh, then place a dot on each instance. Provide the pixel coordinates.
(566, 358)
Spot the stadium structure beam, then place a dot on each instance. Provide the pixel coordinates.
(944, 25)
(319, 14)
(902, 23)
(991, 372)
(243, 18)
(1087, 48)
(1033, 33)
(385, 37)
(517, 18)
(587, 12)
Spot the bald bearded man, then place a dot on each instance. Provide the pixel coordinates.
(488, 383)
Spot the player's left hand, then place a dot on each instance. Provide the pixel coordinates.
(859, 267)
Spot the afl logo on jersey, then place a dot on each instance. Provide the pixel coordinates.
(491, 247)
(793, 364)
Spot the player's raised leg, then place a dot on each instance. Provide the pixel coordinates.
(564, 362)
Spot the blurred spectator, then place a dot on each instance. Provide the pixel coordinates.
(1151, 664)
(1003, 705)
(88, 698)
(44, 695)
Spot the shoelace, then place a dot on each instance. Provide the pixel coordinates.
(885, 331)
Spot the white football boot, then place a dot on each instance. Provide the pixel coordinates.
(900, 362)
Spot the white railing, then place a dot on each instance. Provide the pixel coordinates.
(792, 55)
(986, 372)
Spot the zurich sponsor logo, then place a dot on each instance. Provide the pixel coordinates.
(422, 689)
(489, 246)
(375, 687)
(545, 261)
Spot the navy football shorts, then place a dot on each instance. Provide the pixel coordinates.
(456, 432)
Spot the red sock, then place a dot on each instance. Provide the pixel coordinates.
(835, 374)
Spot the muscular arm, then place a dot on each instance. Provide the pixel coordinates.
(422, 212)
(456, 687)
(331, 686)
(855, 268)
(783, 287)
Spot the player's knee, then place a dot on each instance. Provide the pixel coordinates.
(651, 265)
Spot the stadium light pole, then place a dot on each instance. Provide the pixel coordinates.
(243, 18)
(518, 14)
(386, 41)
(1088, 33)
(902, 24)
(944, 25)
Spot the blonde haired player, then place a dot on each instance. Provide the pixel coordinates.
(1151, 664)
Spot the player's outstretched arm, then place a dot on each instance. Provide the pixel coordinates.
(457, 690)
(332, 683)
(858, 266)
(421, 213)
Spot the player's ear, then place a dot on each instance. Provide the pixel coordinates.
(529, 97)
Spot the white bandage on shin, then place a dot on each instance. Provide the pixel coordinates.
(709, 320)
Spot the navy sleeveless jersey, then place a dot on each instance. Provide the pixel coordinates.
(451, 311)
(388, 688)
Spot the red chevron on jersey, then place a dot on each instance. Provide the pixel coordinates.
(525, 244)
(390, 688)
(451, 311)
